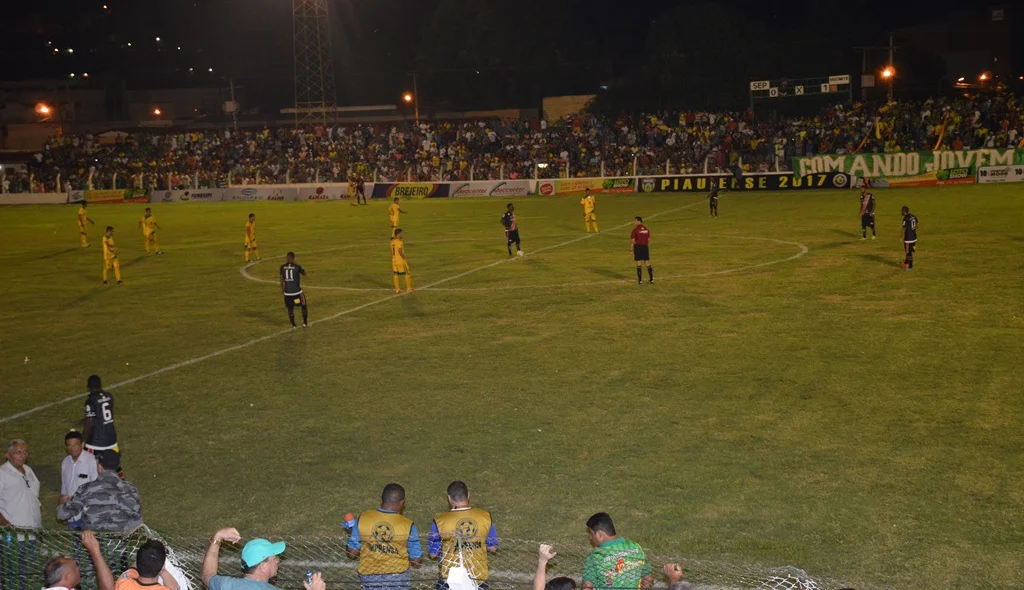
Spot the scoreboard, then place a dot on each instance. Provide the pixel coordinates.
(837, 86)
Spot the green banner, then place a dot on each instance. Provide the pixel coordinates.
(911, 168)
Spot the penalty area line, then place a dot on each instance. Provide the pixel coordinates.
(334, 316)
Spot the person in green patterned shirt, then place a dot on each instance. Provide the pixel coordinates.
(614, 562)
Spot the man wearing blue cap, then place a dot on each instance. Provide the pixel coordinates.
(259, 564)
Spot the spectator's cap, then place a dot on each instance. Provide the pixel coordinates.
(257, 550)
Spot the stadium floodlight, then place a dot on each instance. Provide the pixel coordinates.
(43, 109)
(983, 76)
(889, 72)
(407, 97)
(157, 112)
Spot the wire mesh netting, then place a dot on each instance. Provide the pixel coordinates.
(512, 567)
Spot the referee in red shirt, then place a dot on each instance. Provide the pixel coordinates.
(639, 241)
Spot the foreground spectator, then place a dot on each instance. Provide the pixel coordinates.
(259, 564)
(63, 573)
(76, 469)
(386, 543)
(464, 532)
(19, 489)
(674, 575)
(150, 571)
(545, 554)
(615, 562)
(107, 504)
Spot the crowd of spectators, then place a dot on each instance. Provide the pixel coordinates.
(582, 145)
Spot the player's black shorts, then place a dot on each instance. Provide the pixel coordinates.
(641, 252)
(908, 247)
(867, 220)
(512, 235)
(290, 301)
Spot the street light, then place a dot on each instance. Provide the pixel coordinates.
(889, 74)
(407, 98)
(43, 109)
(157, 112)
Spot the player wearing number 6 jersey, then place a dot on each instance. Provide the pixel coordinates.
(99, 432)
(291, 288)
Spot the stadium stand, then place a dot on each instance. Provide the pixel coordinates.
(582, 145)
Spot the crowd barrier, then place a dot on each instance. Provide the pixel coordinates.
(913, 169)
(765, 181)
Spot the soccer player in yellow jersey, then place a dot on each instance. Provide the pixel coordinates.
(386, 543)
(589, 215)
(399, 263)
(464, 531)
(149, 226)
(251, 247)
(82, 219)
(110, 256)
(393, 210)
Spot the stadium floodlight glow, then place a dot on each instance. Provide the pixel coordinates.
(889, 72)
(983, 76)
(960, 79)
(158, 39)
(407, 97)
(157, 112)
(43, 109)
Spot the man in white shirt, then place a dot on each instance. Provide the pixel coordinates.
(19, 489)
(76, 469)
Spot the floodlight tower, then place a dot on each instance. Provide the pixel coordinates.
(314, 63)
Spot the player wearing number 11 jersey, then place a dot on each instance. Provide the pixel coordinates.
(291, 276)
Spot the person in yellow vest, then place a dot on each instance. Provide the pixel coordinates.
(589, 213)
(82, 219)
(250, 238)
(386, 543)
(148, 225)
(462, 536)
(110, 256)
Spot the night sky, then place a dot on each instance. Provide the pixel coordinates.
(376, 42)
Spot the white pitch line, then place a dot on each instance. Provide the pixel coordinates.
(335, 316)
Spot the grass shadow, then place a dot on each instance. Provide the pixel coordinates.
(887, 261)
(605, 272)
(59, 253)
(843, 232)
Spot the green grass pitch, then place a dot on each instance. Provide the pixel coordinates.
(822, 409)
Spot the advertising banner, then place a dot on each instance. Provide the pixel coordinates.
(490, 188)
(410, 190)
(1000, 174)
(202, 195)
(95, 197)
(748, 182)
(568, 186)
(324, 192)
(912, 168)
(33, 198)
(261, 193)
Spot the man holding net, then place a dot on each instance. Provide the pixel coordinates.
(260, 560)
(615, 562)
(461, 538)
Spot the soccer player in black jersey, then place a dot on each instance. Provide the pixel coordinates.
(908, 235)
(867, 213)
(511, 230)
(99, 432)
(713, 199)
(291, 288)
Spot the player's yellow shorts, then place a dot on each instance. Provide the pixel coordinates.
(590, 216)
(251, 243)
(109, 262)
(399, 266)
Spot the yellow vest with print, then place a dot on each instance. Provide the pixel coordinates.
(464, 530)
(384, 536)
